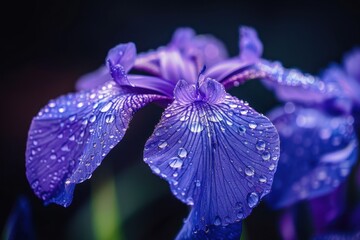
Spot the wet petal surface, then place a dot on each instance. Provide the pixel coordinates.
(317, 153)
(218, 157)
(190, 230)
(69, 138)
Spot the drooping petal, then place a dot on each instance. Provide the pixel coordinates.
(219, 156)
(317, 153)
(93, 79)
(69, 138)
(120, 60)
(190, 230)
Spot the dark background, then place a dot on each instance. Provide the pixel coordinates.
(46, 46)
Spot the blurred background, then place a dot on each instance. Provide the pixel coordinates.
(46, 46)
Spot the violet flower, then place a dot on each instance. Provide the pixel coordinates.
(319, 144)
(217, 153)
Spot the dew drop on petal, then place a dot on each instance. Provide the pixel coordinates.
(265, 155)
(53, 156)
(260, 145)
(109, 118)
(242, 129)
(197, 183)
(217, 221)
(162, 144)
(262, 179)
(155, 170)
(195, 127)
(92, 118)
(249, 171)
(272, 167)
(252, 125)
(106, 107)
(182, 153)
(252, 199)
(175, 163)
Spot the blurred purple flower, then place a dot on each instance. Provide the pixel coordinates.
(218, 154)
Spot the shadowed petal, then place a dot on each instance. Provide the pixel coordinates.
(190, 231)
(69, 138)
(218, 156)
(250, 45)
(204, 49)
(352, 63)
(93, 79)
(317, 153)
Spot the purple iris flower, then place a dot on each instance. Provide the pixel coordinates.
(217, 153)
(316, 128)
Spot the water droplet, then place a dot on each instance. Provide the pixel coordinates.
(175, 163)
(184, 118)
(217, 221)
(240, 215)
(195, 127)
(65, 148)
(265, 155)
(249, 171)
(197, 183)
(252, 199)
(67, 182)
(35, 142)
(72, 138)
(61, 110)
(109, 118)
(262, 179)
(260, 145)
(168, 115)
(190, 201)
(72, 118)
(228, 122)
(244, 111)
(80, 104)
(162, 144)
(53, 156)
(106, 107)
(182, 153)
(175, 174)
(92, 118)
(252, 125)
(242, 129)
(272, 167)
(155, 169)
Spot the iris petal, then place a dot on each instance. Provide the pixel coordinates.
(190, 230)
(318, 152)
(220, 157)
(69, 138)
(93, 79)
(204, 49)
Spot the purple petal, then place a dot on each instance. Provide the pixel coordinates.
(339, 236)
(69, 138)
(124, 55)
(175, 67)
(251, 47)
(93, 79)
(352, 64)
(220, 157)
(190, 231)
(205, 49)
(326, 209)
(318, 152)
(120, 60)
